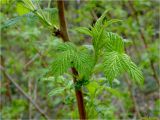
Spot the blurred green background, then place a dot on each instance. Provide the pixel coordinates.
(27, 51)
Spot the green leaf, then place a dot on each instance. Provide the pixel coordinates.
(51, 15)
(98, 40)
(101, 38)
(56, 91)
(134, 72)
(21, 10)
(112, 65)
(84, 30)
(28, 4)
(68, 46)
(92, 87)
(83, 62)
(61, 64)
(108, 40)
(69, 56)
(114, 42)
(99, 22)
(107, 23)
(66, 53)
(116, 63)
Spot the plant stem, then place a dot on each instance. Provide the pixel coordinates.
(63, 26)
(65, 37)
(79, 97)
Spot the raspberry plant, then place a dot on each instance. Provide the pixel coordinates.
(106, 49)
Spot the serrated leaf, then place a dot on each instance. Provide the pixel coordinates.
(112, 65)
(69, 56)
(61, 47)
(136, 73)
(60, 65)
(129, 66)
(83, 63)
(114, 42)
(116, 63)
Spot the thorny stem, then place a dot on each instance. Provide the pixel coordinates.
(65, 37)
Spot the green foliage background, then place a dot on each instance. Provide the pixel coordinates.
(28, 49)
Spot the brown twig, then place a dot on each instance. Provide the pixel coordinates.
(63, 26)
(24, 93)
(65, 37)
(79, 97)
(37, 55)
(31, 61)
